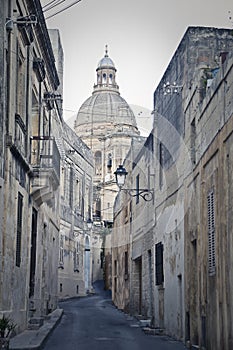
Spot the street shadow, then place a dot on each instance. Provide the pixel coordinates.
(100, 290)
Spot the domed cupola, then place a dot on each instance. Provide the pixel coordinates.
(106, 74)
(105, 111)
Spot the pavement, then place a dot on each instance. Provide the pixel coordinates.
(35, 339)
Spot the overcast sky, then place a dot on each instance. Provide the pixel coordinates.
(142, 37)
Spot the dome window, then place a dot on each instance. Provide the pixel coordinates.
(104, 78)
(110, 78)
(109, 162)
(98, 161)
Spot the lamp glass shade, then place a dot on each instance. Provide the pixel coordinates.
(120, 174)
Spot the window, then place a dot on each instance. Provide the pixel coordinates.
(76, 258)
(193, 141)
(21, 83)
(19, 229)
(126, 264)
(137, 189)
(161, 161)
(61, 251)
(159, 263)
(71, 189)
(109, 162)
(211, 233)
(98, 163)
(33, 252)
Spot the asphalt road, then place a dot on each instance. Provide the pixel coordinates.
(93, 323)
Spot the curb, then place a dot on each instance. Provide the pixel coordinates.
(35, 339)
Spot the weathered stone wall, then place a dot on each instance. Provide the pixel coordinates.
(208, 303)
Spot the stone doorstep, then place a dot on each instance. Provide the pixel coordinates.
(145, 323)
(153, 331)
(35, 323)
(34, 339)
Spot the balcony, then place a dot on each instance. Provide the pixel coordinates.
(45, 162)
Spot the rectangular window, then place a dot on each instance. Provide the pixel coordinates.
(61, 251)
(71, 181)
(19, 229)
(126, 264)
(161, 161)
(33, 252)
(20, 83)
(211, 233)
(76, 258)
(193, 141)
(137, 189)
(159, 263)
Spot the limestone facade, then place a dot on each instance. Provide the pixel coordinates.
(75, 239)
(178, 246)
(106, 123)
(36, 149)
(30, 166)
(208, 214)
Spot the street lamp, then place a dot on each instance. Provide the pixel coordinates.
(146, 194)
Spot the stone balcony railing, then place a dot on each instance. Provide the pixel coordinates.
(45, 162)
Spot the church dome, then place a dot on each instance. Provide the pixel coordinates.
(105, 107)
(105, 110)
(105, 62)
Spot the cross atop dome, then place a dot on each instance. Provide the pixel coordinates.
(106, 50)
(106, 74)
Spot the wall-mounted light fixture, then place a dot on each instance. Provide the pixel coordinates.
(146, 194)
(171, 88)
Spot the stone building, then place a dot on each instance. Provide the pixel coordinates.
(76, 180)
(75, 240)
(182, 264)
(106, 123)
(45, 174)
(208, 202)
(187, 122)
(30, 165)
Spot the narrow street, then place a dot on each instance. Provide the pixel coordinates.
(93, 322)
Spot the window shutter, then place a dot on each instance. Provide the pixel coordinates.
(19, 229)
(211, 233)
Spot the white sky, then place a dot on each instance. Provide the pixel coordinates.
(142, 37)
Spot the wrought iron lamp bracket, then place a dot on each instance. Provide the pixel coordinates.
(146, 194)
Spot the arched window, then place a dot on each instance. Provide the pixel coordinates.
(109, 161)
(98, 163)
(110, 78)
(104, 78)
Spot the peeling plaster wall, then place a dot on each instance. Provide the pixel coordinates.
(169, 297)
